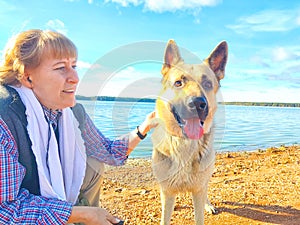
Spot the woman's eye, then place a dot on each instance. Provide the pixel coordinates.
(74, 67)
(60, 68)
(178, 83)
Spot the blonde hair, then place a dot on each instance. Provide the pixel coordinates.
(26, 50)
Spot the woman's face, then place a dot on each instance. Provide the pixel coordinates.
(54, 82)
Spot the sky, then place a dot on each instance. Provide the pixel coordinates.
(121, 42)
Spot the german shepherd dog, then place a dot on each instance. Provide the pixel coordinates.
(183, 154)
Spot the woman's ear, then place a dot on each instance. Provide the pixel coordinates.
(26, 80)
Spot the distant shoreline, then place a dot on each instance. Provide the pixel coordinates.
(128, 99)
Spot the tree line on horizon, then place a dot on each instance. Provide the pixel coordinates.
(272, 104)
(130, 99)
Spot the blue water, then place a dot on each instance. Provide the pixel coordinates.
(238, 128)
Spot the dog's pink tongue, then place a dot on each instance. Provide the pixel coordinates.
(193, 128)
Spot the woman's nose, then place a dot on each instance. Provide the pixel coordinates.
(73, 76)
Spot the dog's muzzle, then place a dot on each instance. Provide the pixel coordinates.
(191, 118)
(200, 105)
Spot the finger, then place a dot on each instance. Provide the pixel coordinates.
(112, 219)
(152, 115)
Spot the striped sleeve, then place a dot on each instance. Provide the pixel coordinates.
(111, 152)
(31, 209)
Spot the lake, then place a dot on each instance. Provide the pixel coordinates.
(238, 128)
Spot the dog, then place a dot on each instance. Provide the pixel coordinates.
(183, 156)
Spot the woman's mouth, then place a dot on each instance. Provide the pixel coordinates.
(69, 91)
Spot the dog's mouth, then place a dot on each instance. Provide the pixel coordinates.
(191, 127)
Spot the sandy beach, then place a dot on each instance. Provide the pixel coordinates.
(260, 187)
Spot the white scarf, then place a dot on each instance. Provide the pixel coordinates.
(65, 175)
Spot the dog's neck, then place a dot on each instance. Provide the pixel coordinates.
(163, 139)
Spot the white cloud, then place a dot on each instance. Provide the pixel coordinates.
(298, 20)
(278, 94)
(160, 6)
(258, 60)
(281, 54)
(128, 82)
(268, 21)
(271, 75)
(288, 54)
(174, 5)
(95, 66)
(57, 25)
(83, 65)
(125, 3)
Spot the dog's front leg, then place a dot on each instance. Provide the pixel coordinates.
(167, 202)
(199, 201)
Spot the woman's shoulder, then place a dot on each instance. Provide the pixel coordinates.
(10, 99)
(79, 113)
(5, 92)
(6, 96)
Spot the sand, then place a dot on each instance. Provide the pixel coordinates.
(260, 187)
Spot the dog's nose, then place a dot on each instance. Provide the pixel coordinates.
(198, 103)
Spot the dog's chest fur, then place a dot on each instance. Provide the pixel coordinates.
(179, 164)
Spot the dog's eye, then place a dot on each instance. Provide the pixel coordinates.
(207, 84)
(178, 83)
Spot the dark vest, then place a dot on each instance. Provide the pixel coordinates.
(12, 111)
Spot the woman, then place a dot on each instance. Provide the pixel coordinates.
(51, 153)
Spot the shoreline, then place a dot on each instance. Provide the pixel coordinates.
(262, 149)
(249, 187)
(152, 100)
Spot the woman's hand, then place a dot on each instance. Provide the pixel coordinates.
(92, 216)
(148, 123)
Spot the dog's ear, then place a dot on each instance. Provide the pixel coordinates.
(172, 56)
(217, 59)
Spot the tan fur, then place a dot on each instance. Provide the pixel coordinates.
(181, 164)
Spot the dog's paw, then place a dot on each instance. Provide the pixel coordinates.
(209, 208)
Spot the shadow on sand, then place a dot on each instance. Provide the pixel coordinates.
(268, 214)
